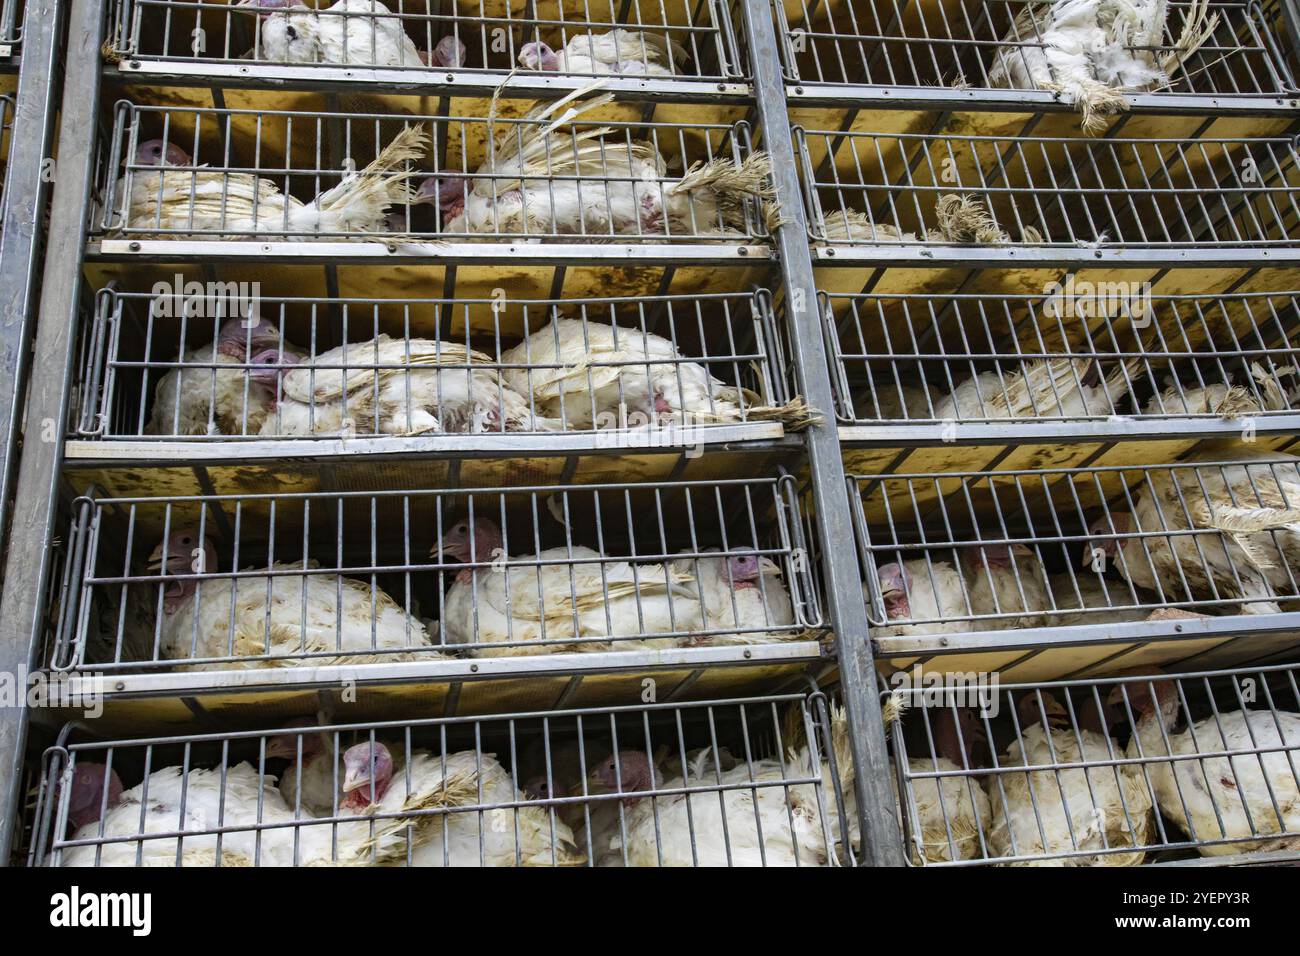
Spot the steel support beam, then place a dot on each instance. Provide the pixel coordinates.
(881, 838)
(27, 562)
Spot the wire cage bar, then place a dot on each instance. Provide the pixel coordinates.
(1081, 351)
(11, 26)
(675, 40)
(216, 582)
(1083, 554)
(1126, 770)
(308, 368)
(757, 781)
(1215, 53)
(212, 174)
(7, 107)
(877, 194)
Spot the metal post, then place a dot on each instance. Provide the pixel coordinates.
(24, 206)
(882, 842)
(27, 563)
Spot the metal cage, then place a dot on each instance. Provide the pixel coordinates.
(1125, 770)
(880, 193)
(988, 45)
(11, 26)
(758, 781)
(258, 581)
(1114, 556)
(7, 105)
(311, 368)
(1083, 350)
(670, 42)
(355, 176)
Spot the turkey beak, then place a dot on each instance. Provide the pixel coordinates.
(155, 562)
(355, 779)
(282, 748)
(767, 566)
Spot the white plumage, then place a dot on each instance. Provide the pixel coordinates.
(1083, 599)
(283, 615)
(799, 824)
(545, 179)
(619, 51)
(1006, 581)
(544, 597)
(203, 401)
(198, 200)
(369, 37)
(248, 800)
(930, 592)
(1221, 798)
(1039, 388)
(1067, 811)
(739, 591)
(397, 387)
(578, 369)
(1093, 50)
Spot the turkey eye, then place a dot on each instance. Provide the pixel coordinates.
(185, 540)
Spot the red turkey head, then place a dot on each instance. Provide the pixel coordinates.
(159, 152)
(895, 586)
(633, 767)
(183, 552)
(538, 56)
(285, 746)
(241, 337)
(1138, 695)
(449, 52)
(364, 765)
(86, 794)
(994, 556)
(1122, 523)
(456, 541)
(269, 367)
(746, 569)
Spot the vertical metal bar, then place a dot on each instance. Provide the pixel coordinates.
(28, 560)
(882, 844)
(24, 203)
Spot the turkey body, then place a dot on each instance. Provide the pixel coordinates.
(601, 599)
(1013, 594)
(370, 37)
(747, 611)
(628, 52)
(593, 376)
(290, 614)
(1040, 388)
(1227, 798)
(1067, 811)
(198, 201)
(395, 387)
(248, 800)
(936, 594)
(951, 813)
(1083, 599)
(203, 401)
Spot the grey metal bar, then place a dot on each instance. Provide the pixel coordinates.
(26, 186)
(881, 842)
(27, 567)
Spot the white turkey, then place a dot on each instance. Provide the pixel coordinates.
(348, 32)
(929, 593)
(741, 595)
(1039, 388)
(892, 401)
(391, 386)
(194, 199)
(245, 804)
(1226, 400)
(216, 401)
(1247, 519)
(375, 783)
(958, 219)
(1008, 584)
(1093, 50)
(313, 779)
(1219, 798)
(546, 178)
(285, 619)
(1085, 599)
(573, 596)
(761, 822)
(591, 373)
(948, 817)
(615, 51)
(1071, 817)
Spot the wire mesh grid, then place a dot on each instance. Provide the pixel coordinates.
(889, 190)
(1126, 770)
(977, 551)
(236, 582)
(221, 173)
(354, 368)
(671, 39)
(1082, 350)
(1220, 49)
(760, 781)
